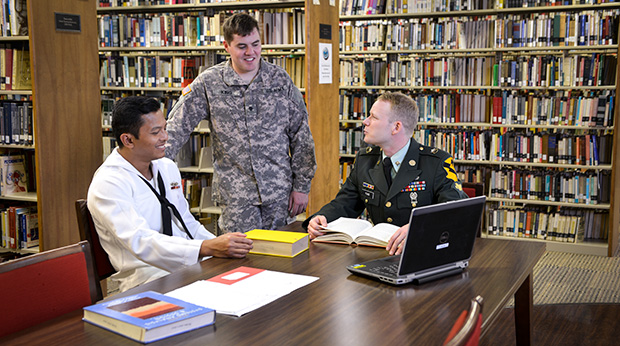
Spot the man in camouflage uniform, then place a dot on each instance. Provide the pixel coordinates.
(263, 149)
(419, 175)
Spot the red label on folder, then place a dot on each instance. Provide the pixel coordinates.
(235, 275)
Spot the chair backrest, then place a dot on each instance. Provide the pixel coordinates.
(42, 286)
(103, 267)
(473, 190)
(466, 329)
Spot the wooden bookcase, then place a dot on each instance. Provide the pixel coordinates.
(66, 115)
(377, 52)
(321, 99)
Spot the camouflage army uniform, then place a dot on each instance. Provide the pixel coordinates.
(425, 177)
(262, 145)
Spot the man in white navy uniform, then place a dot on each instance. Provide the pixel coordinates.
(138, 207)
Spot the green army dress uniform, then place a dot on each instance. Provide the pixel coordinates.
(426, 176)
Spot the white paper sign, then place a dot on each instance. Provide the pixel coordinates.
(325, 63)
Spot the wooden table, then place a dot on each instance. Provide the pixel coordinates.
(339, 308)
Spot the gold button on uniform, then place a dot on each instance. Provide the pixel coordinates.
(366, 201)
(388, 204)
(411, 163)
(389, 219)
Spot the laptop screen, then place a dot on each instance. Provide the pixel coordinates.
(441, 234)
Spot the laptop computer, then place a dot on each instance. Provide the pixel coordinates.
(439, 243)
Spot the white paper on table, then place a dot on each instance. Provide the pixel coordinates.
(248, 293)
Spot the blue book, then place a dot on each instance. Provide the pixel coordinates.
(148, 316)
(142, 34)
(595, 149)
(200, 36)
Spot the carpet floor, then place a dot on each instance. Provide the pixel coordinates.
(562, 278)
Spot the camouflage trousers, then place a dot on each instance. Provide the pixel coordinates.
(243, 218)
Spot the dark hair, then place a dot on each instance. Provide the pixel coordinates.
(241, 24)
(127, 115)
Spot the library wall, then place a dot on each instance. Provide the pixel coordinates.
(522, 95)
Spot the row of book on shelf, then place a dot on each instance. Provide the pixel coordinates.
(508, 107)
(595, 69)
(20, 227)
(16, 123)
(144, 71)
(14, 69)
(178, 71)
(159, 30)
(129, 3)
(350, 140)
(589, 149)
(14, 18)
(365, 7)
(563, 108)
(568, 225)
(471, 173)
(277, 26)
(166, 99)
(588, 187)
(592, 28)
(294, 66)
(504, 147)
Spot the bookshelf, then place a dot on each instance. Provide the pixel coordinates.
(299, 55)
(62, 142)
(507, 76)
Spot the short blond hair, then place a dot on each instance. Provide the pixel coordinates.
(403, 107)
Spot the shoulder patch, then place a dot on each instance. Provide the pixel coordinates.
(448, 166)
(186, 90)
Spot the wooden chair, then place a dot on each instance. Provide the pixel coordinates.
(103, 267)
(42, 286)
(466, 329)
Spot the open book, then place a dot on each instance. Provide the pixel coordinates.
(357, 231)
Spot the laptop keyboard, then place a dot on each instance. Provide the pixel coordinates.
(390, 269)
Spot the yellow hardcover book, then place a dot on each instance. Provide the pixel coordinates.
(562, 38)
(278, 243)
(298, 77)
(21, 70)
